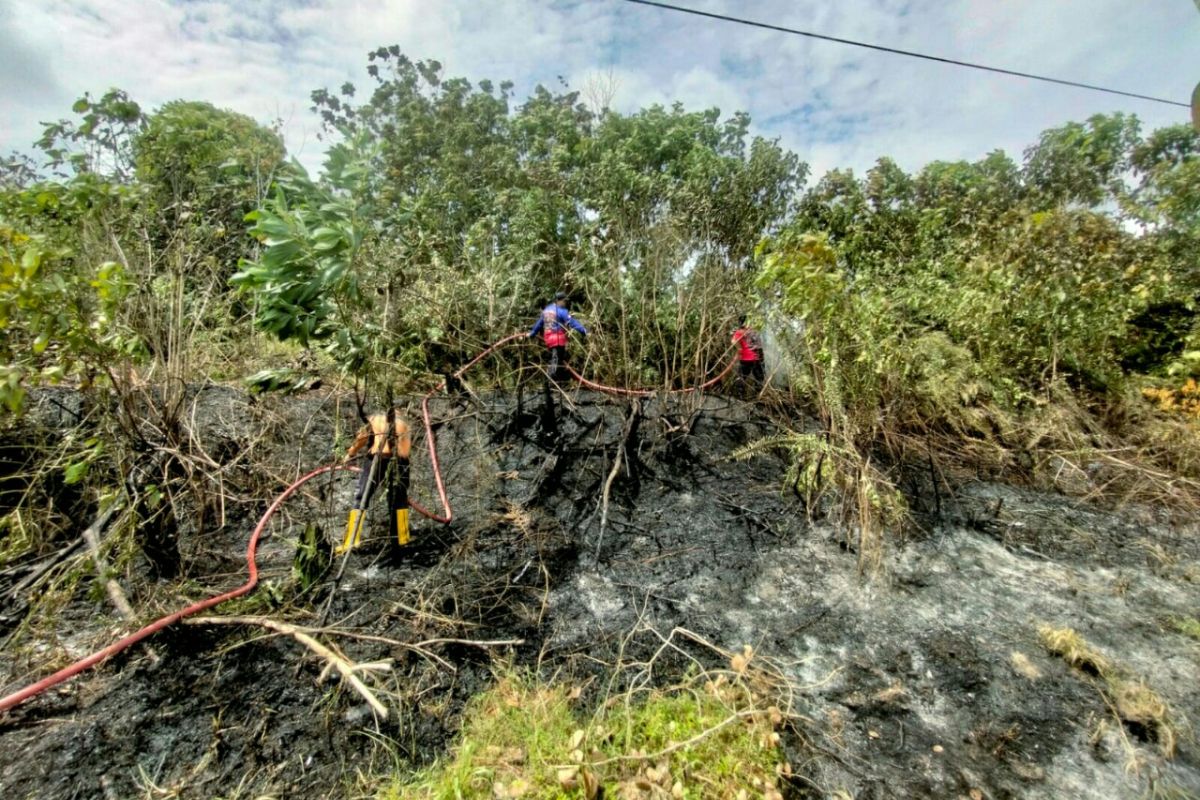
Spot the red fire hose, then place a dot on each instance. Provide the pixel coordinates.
(95, 658)
(35, 689)
(435, 466)
(600, 387)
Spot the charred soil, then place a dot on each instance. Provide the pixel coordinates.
(580, 520)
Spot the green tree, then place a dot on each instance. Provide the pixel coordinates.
(647, 217)
(204, 169)
(1166, 202)
(101, 142)
(56, 320)
(306, 282)
(1082, 163)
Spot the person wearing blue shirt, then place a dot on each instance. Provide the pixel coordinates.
(552, 323)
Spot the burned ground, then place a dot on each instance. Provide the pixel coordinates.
(927, 680)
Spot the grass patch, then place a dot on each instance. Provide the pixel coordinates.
(16, 537)
(227, 354)
(1075, 650)
(863, 497)
(703, 738)
(1188, 626)
(1129, 697)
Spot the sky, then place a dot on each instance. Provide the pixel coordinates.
(836, 106)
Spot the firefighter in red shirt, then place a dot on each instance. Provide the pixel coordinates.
(750, 355)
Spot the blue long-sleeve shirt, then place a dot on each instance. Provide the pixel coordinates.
(561, 317)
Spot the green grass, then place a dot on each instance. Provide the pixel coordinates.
(16, 538)
(1188, 626)
(223, 354)
(523, 739)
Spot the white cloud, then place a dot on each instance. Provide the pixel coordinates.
(835, 105)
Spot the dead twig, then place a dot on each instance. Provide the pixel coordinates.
(333, 660)
(699, 737)
(91, 535)
(635, 409)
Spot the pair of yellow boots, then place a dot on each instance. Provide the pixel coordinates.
(354, 525)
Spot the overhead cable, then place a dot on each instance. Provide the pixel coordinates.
(910, 53)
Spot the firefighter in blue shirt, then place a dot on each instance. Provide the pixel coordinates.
(552, 324)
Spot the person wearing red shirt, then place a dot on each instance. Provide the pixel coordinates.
(750, 355)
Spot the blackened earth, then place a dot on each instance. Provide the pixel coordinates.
(925, 681)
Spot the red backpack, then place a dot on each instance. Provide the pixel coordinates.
(553, 334)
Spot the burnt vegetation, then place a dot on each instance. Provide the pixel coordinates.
(947, 550)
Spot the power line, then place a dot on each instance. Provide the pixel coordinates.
(910, 53)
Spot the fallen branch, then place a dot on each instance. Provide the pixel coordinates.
(471, 642)
(38, 569)
(421, 648)
(666, 751)
(612, 475)
(333, 660)
(91, 535)
(635, 409)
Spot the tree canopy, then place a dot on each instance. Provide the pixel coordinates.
(449, 210)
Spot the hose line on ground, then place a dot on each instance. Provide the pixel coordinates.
(252, 580)
(95, 658)
(435, 466)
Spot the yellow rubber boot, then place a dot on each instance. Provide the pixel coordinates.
(402, 525)
(353, 531)
(358, 528)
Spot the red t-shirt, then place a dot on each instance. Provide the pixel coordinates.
(745, 351)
